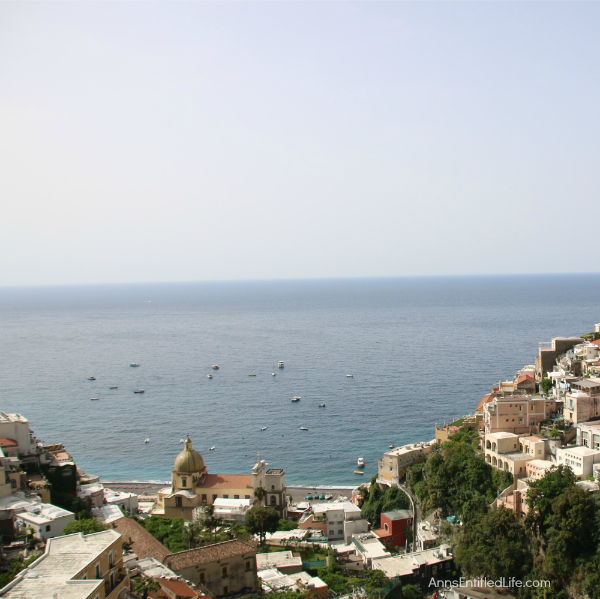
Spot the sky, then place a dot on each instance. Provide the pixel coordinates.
(190, 141)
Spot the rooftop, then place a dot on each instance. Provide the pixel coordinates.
(205, 555)
(143, 544)
(8, 443)
(397, 515)
(279, 559)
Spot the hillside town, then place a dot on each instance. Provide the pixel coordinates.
(420, 527)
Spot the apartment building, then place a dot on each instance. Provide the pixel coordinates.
(581, 460)
(502, 452)
(518, 414)
(75, 566)
(336, 521)
(588, 434)
(395, 462)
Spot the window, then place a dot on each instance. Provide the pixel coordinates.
(331, 532)
(520, 408)
(48, 528)
(409, 520)
(112, 580)
(110, 560)
(201, 577)
(520, 420)
(272, 487)
(84, 577)
(246, 496)
(247, 566)
(340, 532)
(98, 571)
(184, 482)
(225, 496)
(204, 500)
(385, 526)
(225, 590)
(224, 572)
(214, 497)
(178, 502)
(236, 496)
(340, 521)
(273, 500)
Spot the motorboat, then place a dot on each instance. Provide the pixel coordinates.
(209, 376)
(273, 374)
(140, 391)
(264, 428)
(113, 387)
(91, 378)
(350, 376)
(134, 365)
(211, 448)
(215, 367)
(280, 364)
(303, 428)
(361, 462)
(251, 374)
(294, 399)
(392, 446)
(94, 398)
(146, 440)
(321, 405)
(358, 472)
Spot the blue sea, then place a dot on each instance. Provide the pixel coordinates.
(421, 351)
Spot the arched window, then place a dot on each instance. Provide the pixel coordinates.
(340, 532)
(48, 528)
(385, 526)
(488, 445)
(493, 447)
(272, 487)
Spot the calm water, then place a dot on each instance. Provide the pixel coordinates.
(422, 350)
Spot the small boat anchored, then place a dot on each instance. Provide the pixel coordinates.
(280, 364)
(251, 374)
(273, 374)
(134, 365)
(358, 472)
(303, 428)
(350, 376)
(140, 391)
(361, 462)
(91, 378)
(146, 440)
(94, 398)
(392, 446)
(264, 428)
(211, 448)
(209, 376)
(113, 387)
(215, 367)
(294, 399)
(321, 405)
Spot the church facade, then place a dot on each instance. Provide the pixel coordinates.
(193, 487)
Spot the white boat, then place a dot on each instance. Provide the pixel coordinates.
(211, 448)
(94, 398)
(209, 376)
(350, 376)
(264, 428)
(321, 405)
(134, 365)
(303, 428)
(361, 462)
(113, 387)
(280, 364)
(215, 367)
(91, 378)
(296, 399)
(273, 374)
(146, 440)
(251, 374)
(392, 446)
(140, 391)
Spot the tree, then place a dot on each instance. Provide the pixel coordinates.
(542, 493)
(144, 585)
(210, 522)
(410, 591)
(408, 534)
(259, 493)
(494, 546)
(260, 520)
(87, 526)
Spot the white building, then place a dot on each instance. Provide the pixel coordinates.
(274, 581)
(94, 491)
(46, 520)
(431, 562)
(588, 434)
(231, 510)
(338, 521)
(369, 548)
(581, 460)
(16, 427)
(128, 502)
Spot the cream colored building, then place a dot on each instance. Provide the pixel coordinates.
(581, 460)
(537, 469)
(75, 567)
(193, 487)
(517, 414)
(502, 452)
(533, 446)
(395, 462)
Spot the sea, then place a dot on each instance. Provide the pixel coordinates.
(421, 351)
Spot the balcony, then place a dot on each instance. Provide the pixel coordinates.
(121, 582)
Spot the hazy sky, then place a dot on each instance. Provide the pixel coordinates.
(160, 141)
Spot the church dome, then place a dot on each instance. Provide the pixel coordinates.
(189, 460)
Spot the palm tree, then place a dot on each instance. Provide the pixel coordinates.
(259, 493)
(209, 521)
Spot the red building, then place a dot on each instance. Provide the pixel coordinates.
(393, 525)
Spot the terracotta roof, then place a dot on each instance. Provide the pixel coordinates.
(208, 554)
(143, 544)
(597, 342)
(180, 588)
(8, 443)
(485, 400)
(382, 533)
(525, 377)
(226, 481)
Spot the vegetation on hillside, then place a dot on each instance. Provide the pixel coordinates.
(87, 526)
(376, 501)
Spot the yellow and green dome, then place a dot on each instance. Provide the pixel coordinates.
(189, 460)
